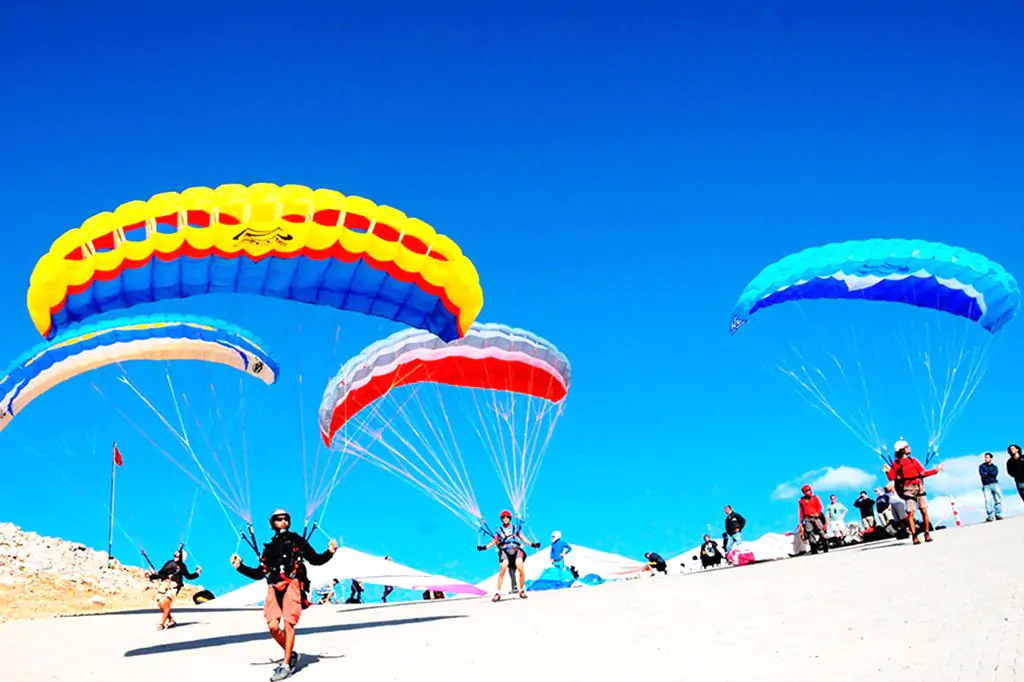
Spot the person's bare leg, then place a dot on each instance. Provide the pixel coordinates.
(521, 572)
(278, 635)
(289, 642)
(165, 609)
(501, 574)
(911, 511)
(927, 521)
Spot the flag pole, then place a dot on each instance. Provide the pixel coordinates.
(110, 533)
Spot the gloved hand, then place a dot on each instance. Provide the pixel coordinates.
(480, 548)
(535, 545)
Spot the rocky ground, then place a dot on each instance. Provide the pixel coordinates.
(44, 577)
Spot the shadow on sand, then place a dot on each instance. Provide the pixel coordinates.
(177, 609)
(306, 660)
(225, 640)
(882, 544)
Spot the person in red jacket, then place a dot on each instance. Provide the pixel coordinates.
(909, 474)
(811, 511)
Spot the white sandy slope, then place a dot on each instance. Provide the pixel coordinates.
(949, 610)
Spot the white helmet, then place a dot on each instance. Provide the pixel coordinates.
(900, 445)
(556, 535)
(279, 512)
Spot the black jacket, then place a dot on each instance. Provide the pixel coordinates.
(176, 572)
(989, 473)
(866, 507)
(1015, 469)
(710, 548)
(283, 557)
(734, 523)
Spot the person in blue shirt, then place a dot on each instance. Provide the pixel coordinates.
(559, 548)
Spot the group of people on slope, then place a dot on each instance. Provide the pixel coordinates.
(281, 564)
(710, 553)
(906, 475)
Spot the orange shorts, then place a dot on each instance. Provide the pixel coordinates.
(288, 608)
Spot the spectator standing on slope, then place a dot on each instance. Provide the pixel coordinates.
(989, 474)
(883, 505)
(1015, 468)
(866, 506)
(836, 514)
(559, 548)
(734, 525)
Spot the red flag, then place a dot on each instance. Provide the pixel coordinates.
(117, 456)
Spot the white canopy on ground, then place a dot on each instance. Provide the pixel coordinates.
(685, 562)
(587, 561)
(350, 563)
(768, 547)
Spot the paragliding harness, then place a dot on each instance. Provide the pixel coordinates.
(506, 544)
(158, 574)
(290, 566)
(900, 481)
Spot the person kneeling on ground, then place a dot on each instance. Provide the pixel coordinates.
(908, 475)
(173, 574)
(509, 540)
(656, 563)
(281, 564)
(812, 514)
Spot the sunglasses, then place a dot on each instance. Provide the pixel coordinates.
(281, 518)
(506, 518)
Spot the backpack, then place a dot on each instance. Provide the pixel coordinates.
(900, 482)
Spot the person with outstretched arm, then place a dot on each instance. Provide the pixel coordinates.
(908, 475)
(172, 576)
(509, 539)
(281, 565)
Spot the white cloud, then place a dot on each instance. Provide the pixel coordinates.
(961, 474)
(827, 479)
(785, 491)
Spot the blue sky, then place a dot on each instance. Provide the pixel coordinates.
(616, 177)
